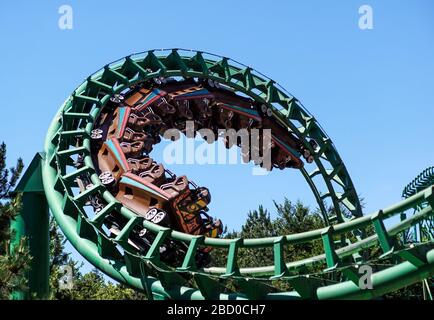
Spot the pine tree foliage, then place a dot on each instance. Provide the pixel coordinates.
(290, 218)
(13, 264)
(89, 286)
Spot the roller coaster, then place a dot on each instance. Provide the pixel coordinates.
(150, 229)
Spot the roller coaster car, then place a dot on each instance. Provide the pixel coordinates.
(136, 97)
(112, 162)
(140, 195)
(140, 122)
(203, 108)
(190, 208)
(240, 108)
(119, 122)
(188, 97)
(172, 204)
(130, 124)
(142, 99)
(183, 107)
(139, 165)
(189, 92)
(287, 147)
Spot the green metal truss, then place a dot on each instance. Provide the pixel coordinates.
(424, 230)
(119, 260)
(422, 181)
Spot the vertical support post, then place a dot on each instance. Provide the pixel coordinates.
(332, 258)
(386, 243)
(280, 268)
(33, 223)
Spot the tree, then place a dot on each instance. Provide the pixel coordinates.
(92, 286)
(58, 259)
(293, 218)
(298, 218)
(89, 286)
(290, 219)
(14, 263)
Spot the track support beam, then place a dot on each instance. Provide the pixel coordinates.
(33, 224)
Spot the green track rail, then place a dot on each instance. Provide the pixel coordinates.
(423, 231)
(115, 257)
(422, 181)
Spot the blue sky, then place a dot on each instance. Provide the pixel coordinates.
(371, 90)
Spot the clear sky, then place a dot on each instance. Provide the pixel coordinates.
(371, 90)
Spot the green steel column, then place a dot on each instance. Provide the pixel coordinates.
(32, 223)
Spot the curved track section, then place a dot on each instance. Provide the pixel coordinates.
(423, 231)
(333, 274)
